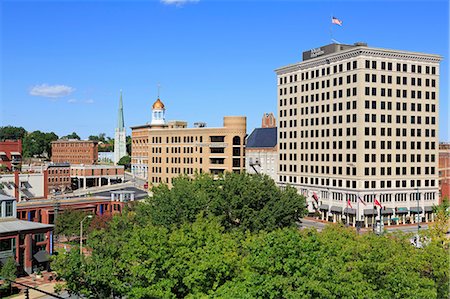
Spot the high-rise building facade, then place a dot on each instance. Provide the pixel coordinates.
(120, 142)
(171, 148)
(356, 121)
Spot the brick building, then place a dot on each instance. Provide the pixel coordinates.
(165, 150)
(84, 176)
(58, 177)
(444, 170)
(11, 154)
(28, 243)
(75, 151)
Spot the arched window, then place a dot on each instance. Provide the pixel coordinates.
(236, 140)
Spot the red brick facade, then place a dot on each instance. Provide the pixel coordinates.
(11, 154)
(268, 121)
(75, 151)
(444, 170)
(58, 177)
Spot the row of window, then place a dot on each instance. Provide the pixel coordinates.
(352, 184)
(60, 179)
(399, 106)
(400, 93)
(326, 71)
(399, 67)
(399, 80)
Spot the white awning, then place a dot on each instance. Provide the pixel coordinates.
(15, 154)
(2, 154)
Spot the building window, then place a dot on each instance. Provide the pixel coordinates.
(9, 208)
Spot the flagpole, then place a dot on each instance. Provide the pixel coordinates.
(373, 214)
(346, 217)
(357, 213)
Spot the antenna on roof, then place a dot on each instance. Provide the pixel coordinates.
(335, 41)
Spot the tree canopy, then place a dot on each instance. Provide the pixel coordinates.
(67, 223)
(204, 260)
(72, 135)
(125, 161)
(248, 202)
(234, 238)
(38, 143)
(12, 133)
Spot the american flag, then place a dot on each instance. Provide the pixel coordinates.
(336, 21)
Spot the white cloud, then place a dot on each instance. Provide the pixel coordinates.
(71, 101)
(90, 101)
(51, 91)
(178, 2)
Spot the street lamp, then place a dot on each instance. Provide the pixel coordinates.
(81, 233)
(418, 211)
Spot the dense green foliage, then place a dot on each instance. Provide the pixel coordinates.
(230, 239)
(12, 133)
(125, 161)
(38, 143)
(202, 260)
(8, 272)
(67, 223)
(248, 202)
(72, 135)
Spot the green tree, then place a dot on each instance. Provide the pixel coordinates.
(128, 144)
(38, 143)
(72, 135)
(12, 133)
(441, 225)
(100, 137)
(68, 223)
(248, 202)
(125, 161)
(8, 272)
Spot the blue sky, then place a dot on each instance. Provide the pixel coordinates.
(63, 63)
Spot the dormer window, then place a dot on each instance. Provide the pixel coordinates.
(9, 208)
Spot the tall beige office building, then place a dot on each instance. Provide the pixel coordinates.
(164, 150)
(356, 121)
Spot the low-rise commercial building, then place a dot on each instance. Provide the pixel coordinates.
(24, 186)
(84, 176)
(28, 243)
(10, 155)
(171, 148)
(75, 151)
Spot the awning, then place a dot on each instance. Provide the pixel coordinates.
(350, 211)
(15, 154)
(370, 212)
(429, 209)
(324, 207)
(401, 211)
(336, 209)
(42, 256)
(414, 210)
(387, 211)
(2, 154)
